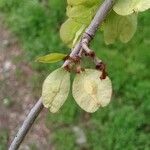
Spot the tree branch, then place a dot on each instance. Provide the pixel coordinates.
(88, 35)
(26, 125)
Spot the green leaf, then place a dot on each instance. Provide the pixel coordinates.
(119, 27)
(78, 33)
(81, 13)
(83, 2)
(56, 89)
(90, 92)
(129, 24)
(51, 58)
(126, 7)
(68, 31)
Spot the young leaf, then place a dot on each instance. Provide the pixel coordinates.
(126, 7)
(68, 31)
(90, 92)
(81, 13)
(78, 33)
(119, 27)
(129, 27)
(51, 58)
(83, 2)
(56, 89)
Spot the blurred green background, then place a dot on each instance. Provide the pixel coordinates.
(125, 123)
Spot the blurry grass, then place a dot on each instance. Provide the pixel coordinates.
(3, 139)
(125, 123)
(63, 139)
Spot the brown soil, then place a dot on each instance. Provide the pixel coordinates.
(16, 97)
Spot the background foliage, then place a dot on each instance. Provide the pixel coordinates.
(124, 124)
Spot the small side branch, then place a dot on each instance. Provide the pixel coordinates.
(26, 125)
